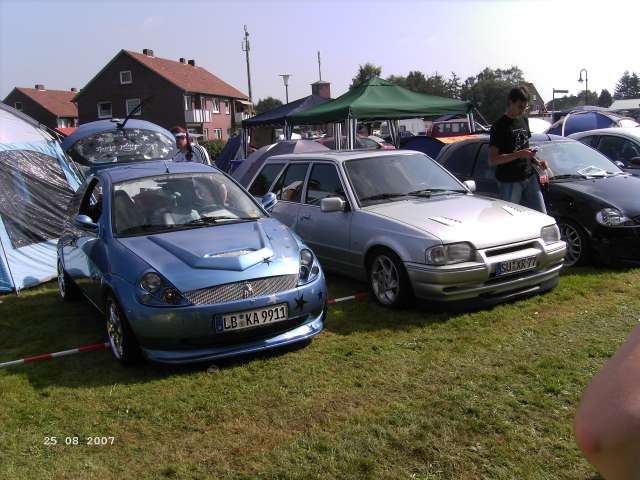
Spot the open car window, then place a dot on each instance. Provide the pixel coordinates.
(119, 146)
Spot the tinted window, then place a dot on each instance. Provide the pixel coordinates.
(618, 149)
(483, 170)
(289, 185)
(460, 162)
(264, 179)
(590, 140)
(323, 182)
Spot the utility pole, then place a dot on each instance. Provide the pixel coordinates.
(319, 68)
(285, 79)
(246, 48)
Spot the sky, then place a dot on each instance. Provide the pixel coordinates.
(64, 43)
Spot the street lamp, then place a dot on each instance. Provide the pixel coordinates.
(285, 79)
(586, 83)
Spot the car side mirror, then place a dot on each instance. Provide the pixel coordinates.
(471, 185)
(635, 161)
(620, 164)
(85, 222)
(333, 204)
(269, 201)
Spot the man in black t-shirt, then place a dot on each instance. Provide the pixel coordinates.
(509, 151)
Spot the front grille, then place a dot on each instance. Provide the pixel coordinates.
(230, 292)
(509, 249)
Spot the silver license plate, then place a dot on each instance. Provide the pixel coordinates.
(517, 265)
(252, 318)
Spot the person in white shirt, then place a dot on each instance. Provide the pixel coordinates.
(187, 151)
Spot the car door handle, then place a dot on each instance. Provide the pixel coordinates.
(305, 217)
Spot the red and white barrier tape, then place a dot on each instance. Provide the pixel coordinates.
(102, 346)
(64, 353)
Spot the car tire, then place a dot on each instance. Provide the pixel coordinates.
(388, 279)
(122, 340)
(577, 243)
(67, 289)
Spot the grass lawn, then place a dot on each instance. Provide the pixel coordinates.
(379, 394)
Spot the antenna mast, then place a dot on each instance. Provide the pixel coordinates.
(319, 68)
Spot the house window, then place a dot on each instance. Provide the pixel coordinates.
(534, 97)
(187, 102)
(216, 105)
(125, 77)
(205, 133)
(131, 104)
(104, 109)
(217, 133)
(226, 107)
(18, 106)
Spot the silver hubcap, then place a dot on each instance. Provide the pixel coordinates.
(61, 285)
(114, 330)
(385, 280)
(570, 235)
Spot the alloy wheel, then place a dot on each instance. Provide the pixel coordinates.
(115, 330)
(575, 246)
(385, 280)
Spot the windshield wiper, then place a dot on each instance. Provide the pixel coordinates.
(427, 192)
(213, 220)
(568, 175)
(145, 228)
(383, 196)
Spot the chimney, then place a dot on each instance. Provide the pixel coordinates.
(74, 89)
(39, 86)
(321, 88)
(182, 60)
(148, 52)
(192, 63)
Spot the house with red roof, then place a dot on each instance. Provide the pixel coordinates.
(173, 93)
(53, 108)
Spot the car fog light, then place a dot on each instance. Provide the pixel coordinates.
(151, 282)
(172, 296)
(550, 234)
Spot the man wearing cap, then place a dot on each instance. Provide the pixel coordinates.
(187, 151)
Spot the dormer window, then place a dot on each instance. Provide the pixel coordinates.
(18, 106)
(126, 77)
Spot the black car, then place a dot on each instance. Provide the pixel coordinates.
(596, 205)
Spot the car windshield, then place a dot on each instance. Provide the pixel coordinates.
(385, 178)
(574, 159)
(168, 202)
(126, 145)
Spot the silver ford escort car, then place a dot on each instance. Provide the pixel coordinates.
(406, 225)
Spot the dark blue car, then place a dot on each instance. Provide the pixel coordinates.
(185, 265)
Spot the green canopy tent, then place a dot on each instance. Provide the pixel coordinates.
(378, 99)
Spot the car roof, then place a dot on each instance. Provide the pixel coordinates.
(623, 131)
(133, 171)
(339, 156)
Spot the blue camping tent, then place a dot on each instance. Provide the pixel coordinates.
(588, 119)
(36, 185)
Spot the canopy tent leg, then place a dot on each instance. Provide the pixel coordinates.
(244, 144)
(394, 128)
(337, 135)
(351, 132)
(288, 131)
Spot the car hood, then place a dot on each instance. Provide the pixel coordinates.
(620, 192)
(483, 221)
(209, 256)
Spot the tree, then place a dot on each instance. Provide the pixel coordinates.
(488, 90)
(454, 87)
(628, 86)
(604, 100)
(592, 98)
(267, 104)
(565, 103)
(435, 84)
(365, 72)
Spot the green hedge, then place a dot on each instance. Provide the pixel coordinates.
(214, 147)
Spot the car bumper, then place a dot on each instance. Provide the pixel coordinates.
(617, 246)
(188, 333)
(478, 280)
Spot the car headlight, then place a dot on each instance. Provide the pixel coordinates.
(612, 217)
(151, 282)
(451, 253)
(309, 268)
(550, 234)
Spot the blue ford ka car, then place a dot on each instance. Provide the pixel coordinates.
(185, 265)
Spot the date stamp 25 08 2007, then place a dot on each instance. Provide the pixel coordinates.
(71, 441)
